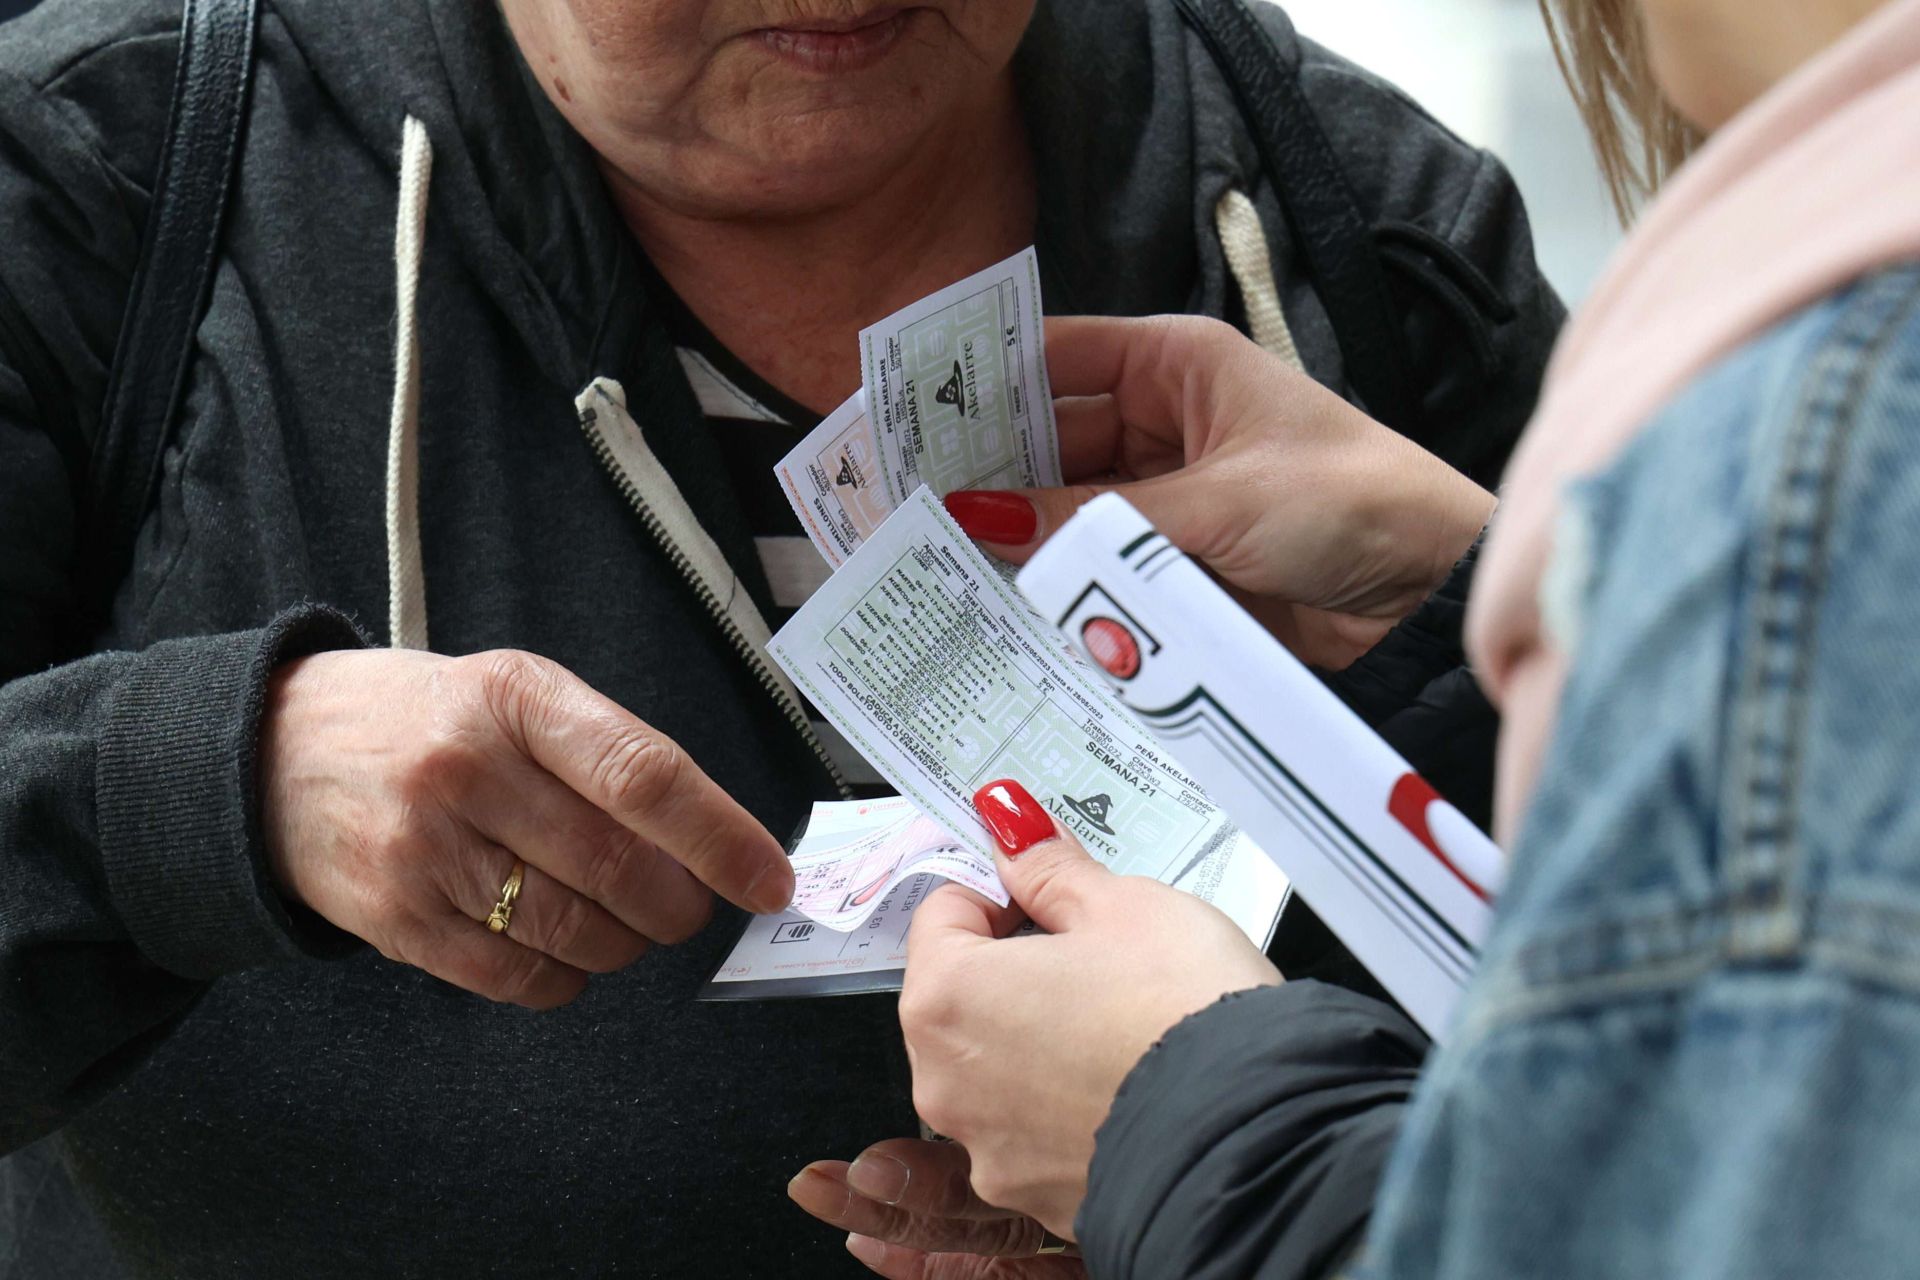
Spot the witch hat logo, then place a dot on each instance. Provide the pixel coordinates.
(950, 393)
(1094, 809)
(847, 476)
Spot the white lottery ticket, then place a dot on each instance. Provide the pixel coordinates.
(1398, 873)
(956, 385)
(832, 480)
(841, 875)
(931, 663)
(790, 956)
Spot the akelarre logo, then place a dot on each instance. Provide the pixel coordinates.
(1095, 809)
(950, 393)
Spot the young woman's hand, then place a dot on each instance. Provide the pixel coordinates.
(399, 791)
(1018, 1045)
(1330, 526)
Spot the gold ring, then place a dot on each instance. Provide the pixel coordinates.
(503, 910)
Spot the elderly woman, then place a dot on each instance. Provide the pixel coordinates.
(256, 814)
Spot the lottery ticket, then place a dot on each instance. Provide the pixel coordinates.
(790, 956)
(840, 877)
(956, 386)
(931, 663)
(832, 480)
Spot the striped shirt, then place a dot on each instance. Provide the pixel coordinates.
(756, 426)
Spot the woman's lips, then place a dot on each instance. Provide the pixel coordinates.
(836, 45)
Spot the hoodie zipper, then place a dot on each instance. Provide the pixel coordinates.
(592, 421)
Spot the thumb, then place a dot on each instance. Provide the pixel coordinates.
(1015, 522)
(1046, 871)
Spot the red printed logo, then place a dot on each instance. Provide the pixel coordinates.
(1412, 806)
(1113, 647)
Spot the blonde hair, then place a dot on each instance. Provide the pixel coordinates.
(1639, 140)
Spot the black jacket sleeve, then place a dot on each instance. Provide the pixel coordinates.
(1250, 1140)
(1416, 690)
(131, 867)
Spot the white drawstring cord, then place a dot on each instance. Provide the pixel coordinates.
(406, 579)
(1244, 242)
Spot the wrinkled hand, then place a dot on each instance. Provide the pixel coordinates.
(1330, 526)
(399, 789)
(910, 1214)
(1019, 1045)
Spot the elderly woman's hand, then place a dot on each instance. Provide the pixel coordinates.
(910, 1213)
(1019, 1044)
(1330, 526)
(400, 790)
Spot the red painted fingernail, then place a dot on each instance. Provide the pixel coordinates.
(1016, 819)
(993, 515)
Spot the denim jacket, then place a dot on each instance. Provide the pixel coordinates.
(1693, 1046)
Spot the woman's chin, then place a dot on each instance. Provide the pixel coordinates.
(823, 158)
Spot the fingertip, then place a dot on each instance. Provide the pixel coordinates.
(1016, 819)
(772, 888)
(1000, 517)
(820, 1192)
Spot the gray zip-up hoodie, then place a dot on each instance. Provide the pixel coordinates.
(195, 1081)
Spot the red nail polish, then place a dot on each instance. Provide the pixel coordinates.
(1016, 819)
(992, 515)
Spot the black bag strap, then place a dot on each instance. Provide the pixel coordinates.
(175, 275)
(1334, 237)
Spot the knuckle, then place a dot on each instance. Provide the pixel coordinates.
(508, 680)
(508, 670)
(605, 861)
(1080, 495)
(443, 767)
(924, 1010)
(1061, 880)
(641, 768)
(570, 935)
(1190, 332)
(1009, 1237)
(519, 981)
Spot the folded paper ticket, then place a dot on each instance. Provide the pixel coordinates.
(839, 880)
(1400, 875)
(789, 955)
(955, 396)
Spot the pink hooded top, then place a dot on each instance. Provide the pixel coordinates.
(1815, 185)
